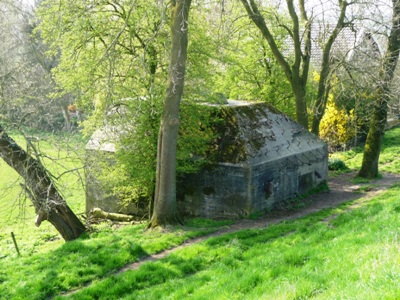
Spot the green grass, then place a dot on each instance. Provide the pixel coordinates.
(96, 255)
(47, 265)
(349, 252)
(388, 159)
(353, 254)
(17, 215)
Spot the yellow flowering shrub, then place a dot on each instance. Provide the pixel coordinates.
(337, 125)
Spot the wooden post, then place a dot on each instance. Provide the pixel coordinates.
(15, 243)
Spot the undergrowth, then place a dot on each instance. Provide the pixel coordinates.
(388, 159)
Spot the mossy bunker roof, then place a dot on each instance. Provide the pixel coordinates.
(261, 133)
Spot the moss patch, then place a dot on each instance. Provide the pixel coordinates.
(228, 146)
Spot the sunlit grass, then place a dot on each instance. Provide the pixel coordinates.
(93, 256)
(353, 254)
(349, 252)
(17, 215)
(47, 265)
(388, 159)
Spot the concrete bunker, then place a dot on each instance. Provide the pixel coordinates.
(275, 160)
(262, 159)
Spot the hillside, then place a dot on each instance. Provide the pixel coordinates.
(350, 251)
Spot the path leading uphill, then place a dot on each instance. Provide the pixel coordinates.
(342, 189)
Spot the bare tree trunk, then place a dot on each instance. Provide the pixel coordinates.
(322, 94)
(67, 118)
(372, 149)
(165, 208)
(49, 204)
(296, 72)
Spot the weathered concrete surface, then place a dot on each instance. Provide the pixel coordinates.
(100, 155)
(282, 160)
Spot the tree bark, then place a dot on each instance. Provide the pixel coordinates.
(373, 145)
(49, 204)
(67, 118)
(165, 208)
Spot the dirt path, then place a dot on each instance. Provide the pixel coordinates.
(342, 189)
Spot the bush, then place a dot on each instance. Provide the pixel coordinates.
(337, 165)
(337, 125)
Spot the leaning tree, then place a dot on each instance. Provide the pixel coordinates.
(41, 189)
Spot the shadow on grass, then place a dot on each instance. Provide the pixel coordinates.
(279, 251)
(76, 264)
(186, 262)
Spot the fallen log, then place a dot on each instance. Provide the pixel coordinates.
(101, 214)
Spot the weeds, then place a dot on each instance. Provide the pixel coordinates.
(337, 164)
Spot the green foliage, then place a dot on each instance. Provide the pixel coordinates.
(202, 142)
(128, 96)
(357, 94)
(336, 164)
(196, 133)
(113, 57)
(202, 66)
(242, 64)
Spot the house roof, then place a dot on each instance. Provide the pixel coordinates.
(349, 42)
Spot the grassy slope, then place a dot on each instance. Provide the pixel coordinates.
(334, 254)
(354, 255)
(48, 265)
(388, 160)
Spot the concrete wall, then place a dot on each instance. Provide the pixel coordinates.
(236, 190)
(98, 192)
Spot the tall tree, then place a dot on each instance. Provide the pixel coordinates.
(49, 204)
(165, 207)
(296, 72)
(117, 71)
(372, 148)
